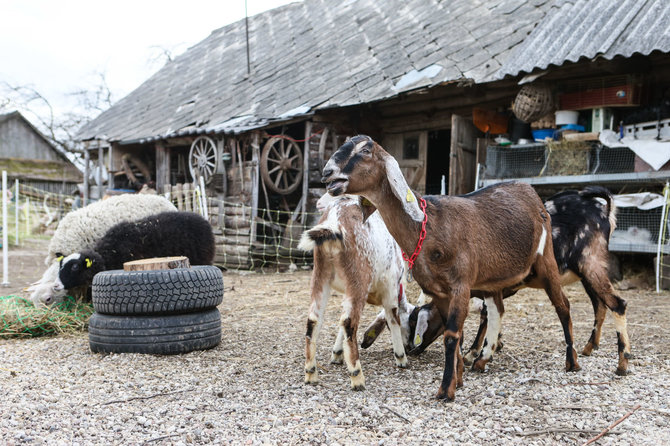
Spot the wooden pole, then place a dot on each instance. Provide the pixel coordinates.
(87, 173)
(101, 165)
(305, 168)
(255, 156)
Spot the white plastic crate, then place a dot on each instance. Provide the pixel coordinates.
(648, 130)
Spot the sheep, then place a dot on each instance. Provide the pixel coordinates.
(81, 229)
(161, 235)
(358, 257)
(487, 240)
(581, 228)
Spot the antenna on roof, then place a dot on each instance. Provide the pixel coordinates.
(246, 25)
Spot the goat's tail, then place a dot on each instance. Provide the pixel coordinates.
(319, 235)
(591, 192)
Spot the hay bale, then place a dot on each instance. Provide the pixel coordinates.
(568, 158)
(20, 318)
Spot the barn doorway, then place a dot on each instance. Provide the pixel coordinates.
(437, 165)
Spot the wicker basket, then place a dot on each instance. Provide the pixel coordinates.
(533, 102)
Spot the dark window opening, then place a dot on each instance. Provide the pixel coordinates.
(410, 148)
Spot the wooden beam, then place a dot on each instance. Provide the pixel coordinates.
(305, 173)
(87, 173)
(162, 166)
(101, 165)
(255, 160)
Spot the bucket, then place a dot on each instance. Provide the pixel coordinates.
(566, 117)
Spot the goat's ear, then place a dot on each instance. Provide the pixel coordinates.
(421, 326)
(374, 330)
(367, 207)
(401, 189)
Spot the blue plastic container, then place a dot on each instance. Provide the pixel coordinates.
(541, 135)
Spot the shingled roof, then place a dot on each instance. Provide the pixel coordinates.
(575, 29)
(318, 54)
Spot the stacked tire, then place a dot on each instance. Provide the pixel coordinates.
(162, 312)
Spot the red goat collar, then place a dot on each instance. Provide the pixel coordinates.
(422, 236)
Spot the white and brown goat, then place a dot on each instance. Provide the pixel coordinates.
(358, 257)
(488, 240)
(581, 228)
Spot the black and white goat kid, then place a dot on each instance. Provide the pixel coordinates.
(160, 235)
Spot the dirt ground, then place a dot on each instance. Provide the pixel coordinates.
(249, 389)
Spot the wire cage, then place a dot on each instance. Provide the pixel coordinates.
(556, 159)
(637, 230)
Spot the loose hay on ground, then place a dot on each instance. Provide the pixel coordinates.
(20, 318)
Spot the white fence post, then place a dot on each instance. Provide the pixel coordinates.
(5, 252)
(16, 209)
(203, 198)
(661, 236)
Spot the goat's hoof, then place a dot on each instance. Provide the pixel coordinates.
(628, 355)
(498, 346)
(311, 379)
(468, 359)
(622, 371)
(402, 365)
(357, 381)
(574, 368)
(588, 349)
(336, 359)
(442, 395)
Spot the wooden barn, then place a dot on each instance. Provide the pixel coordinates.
(256, 108)
(27, 155)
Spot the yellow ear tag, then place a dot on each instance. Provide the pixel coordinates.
(366, 202)
(59, 258)
(88, 263)
(417, 340)
(410, 196)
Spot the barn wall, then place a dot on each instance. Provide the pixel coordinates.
(18, 140)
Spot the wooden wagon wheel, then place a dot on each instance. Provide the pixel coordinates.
(203, 159)
(281, 165)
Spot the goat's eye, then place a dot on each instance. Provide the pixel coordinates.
(366, 150)
(75, 267)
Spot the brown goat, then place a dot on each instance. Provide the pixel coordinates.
(487, 240)
(581, 228)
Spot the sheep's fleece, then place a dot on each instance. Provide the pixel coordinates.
(81, 229)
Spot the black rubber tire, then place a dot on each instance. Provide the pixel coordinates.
(160, 292)
(158, 335)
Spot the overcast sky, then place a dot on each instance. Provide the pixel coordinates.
(59, 46)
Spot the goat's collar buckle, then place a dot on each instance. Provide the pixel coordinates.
(422, 236)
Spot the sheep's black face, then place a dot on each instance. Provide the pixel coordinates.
(75, 270)
(337, 174)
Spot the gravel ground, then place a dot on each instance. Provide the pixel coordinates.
(249, 389)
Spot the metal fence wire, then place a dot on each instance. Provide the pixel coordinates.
(265, 243)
